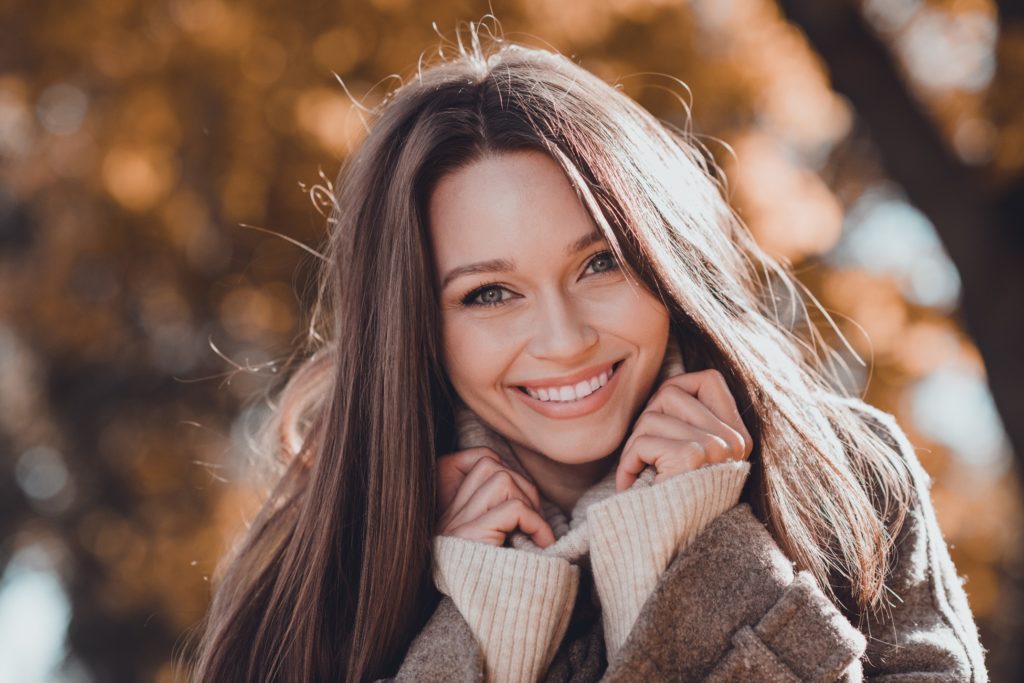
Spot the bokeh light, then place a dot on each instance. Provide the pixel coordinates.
(157, 166)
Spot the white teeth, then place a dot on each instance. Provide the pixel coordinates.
(583, 389)
(571, 393)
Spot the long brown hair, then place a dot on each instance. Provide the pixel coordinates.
(332, 578)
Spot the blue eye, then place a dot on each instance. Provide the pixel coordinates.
(603, 262)
(488, 295)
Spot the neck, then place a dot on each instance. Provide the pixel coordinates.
(562, 483)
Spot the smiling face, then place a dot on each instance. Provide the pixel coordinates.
(545, 337)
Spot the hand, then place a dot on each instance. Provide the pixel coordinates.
(690, 421)
(483, 500)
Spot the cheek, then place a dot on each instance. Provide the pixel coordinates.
(636, 315)
(652, 318)
(475, 356)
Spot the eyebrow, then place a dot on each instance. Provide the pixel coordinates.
(501, 265)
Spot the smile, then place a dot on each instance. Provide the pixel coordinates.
(572, 400)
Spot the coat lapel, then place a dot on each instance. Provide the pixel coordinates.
(706, 590)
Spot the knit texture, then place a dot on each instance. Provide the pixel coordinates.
(634, 535)
(731, 606)
(518, 601)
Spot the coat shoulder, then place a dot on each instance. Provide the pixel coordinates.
(927, 596)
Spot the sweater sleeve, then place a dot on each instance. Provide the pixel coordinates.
(636, 533)
(731, 607)
(517, 603)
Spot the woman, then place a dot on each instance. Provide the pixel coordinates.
(553, 427)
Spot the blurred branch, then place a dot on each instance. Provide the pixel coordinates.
(1012, 11)
(974, 223)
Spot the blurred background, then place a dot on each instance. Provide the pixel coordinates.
(877, 146)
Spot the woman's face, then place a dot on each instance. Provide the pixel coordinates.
(544, 336)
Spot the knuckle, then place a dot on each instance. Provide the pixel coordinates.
(714, 374)
(698, 453)
(718, 378)
(735, 442)
(514, 505)
(641, 441)
(482, 452)
(503, 477)
(696, 448)
(672, 389)
(666, 388)
(644, 420)
(486, 465)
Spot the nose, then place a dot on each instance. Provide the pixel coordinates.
(561, 331)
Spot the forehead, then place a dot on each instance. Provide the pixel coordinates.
(518, 206)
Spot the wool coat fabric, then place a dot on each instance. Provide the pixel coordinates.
(726, 604)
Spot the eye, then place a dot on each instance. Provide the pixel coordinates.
(493, 294)
(603, 262)
(488, 295)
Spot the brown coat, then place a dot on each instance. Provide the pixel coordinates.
(732, 607)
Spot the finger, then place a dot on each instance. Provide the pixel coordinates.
(665, 455)
(464, 460)
(531, 523)
(665, 421)
(451, 469)
(711, 389)
(482, 470)
(677, 403)
(643, 451)
(495, 524)
(499, 487)
(669, 427)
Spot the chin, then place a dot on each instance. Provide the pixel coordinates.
(577, 451)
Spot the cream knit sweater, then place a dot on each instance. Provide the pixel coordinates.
(518, 600)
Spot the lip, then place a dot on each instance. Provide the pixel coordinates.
(574, 378)
(578, 408)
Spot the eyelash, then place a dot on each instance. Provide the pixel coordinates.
(469, 299)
